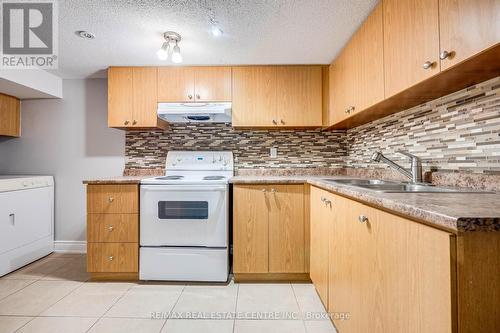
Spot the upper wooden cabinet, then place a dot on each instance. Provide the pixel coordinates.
(10, 117)
(277, 96)
(269, 229)
(411, 43)
(299, 96)
(357, 75)
(467, 27)
(409, 52)
(189, 84)
(132, 98)
(254, 95)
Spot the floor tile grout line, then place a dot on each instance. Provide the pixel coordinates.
(99, 318)
(15, 292)
(173, 307)
(301, 312)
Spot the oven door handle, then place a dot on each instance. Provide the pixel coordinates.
(184, 188)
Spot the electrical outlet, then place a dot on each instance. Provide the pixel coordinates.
(273, 152)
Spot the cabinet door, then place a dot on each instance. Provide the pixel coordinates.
(368, 60)
(321, 228)
(467, 27)
(386, 267)
(411, 39)
(254, 96)
(120, 96)
(176, 84)
(286, 229)
(352, 267)
(10, 119)
(145, 97)
(339, 89)
(250, 229)
(212, 84)
(412, 276)
(299, 96)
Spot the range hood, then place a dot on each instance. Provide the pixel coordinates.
(195, 112)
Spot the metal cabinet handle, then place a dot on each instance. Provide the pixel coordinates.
(428, 64)
(126, 122)
(362, 219)
(190, 96)
(323, 199)
(282, 121)
(111, 258)
(263, 190)
(110, 228)
(273, 190)
(111, 199)
(134, 122)
(328, 202)
(275, 122)
(198, 96)
(445, 54)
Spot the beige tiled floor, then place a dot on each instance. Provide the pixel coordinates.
(54, 295)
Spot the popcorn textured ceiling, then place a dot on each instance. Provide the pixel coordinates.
(255, 32)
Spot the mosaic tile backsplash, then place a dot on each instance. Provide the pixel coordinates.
(459, 132)
(251, 148)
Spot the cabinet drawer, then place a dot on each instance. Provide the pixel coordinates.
(113, 228)
(112, 199)
(112, 257)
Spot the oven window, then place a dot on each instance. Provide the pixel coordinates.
(183, 210)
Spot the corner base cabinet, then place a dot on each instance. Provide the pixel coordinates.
(113, 231)
(269, 232)
(390, 274)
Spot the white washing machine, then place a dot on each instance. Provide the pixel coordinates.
(26, 220)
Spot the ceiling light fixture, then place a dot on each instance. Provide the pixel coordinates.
(215, 30)
(163, 52)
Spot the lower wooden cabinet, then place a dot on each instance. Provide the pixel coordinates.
(113, 231)
(269, 230)
(321, 229)
(386, 273)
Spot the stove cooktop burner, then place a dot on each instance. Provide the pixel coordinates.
(213, 177)
(170, 178)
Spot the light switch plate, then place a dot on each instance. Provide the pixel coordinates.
(273, 153)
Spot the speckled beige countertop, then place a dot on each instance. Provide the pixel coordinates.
(116, 180)
(455, 212)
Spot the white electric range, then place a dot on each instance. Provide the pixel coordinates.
(184, 218)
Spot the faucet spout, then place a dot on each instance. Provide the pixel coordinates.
(415, 175)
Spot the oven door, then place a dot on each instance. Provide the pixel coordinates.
(184, 215)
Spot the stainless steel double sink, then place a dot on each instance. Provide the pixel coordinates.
(384, 186)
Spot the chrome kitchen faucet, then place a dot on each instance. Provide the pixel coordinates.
(415, 175)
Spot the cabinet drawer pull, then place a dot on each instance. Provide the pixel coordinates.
(445, 54)
(273, 190)
(111, 258)
(110, 228)
(362, 219)
(190, 96)
(275, 122)
(111, 199)
(428, 64)
(263, 190)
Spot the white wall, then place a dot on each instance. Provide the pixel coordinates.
(69, 139)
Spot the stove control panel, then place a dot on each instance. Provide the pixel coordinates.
(199, 160)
